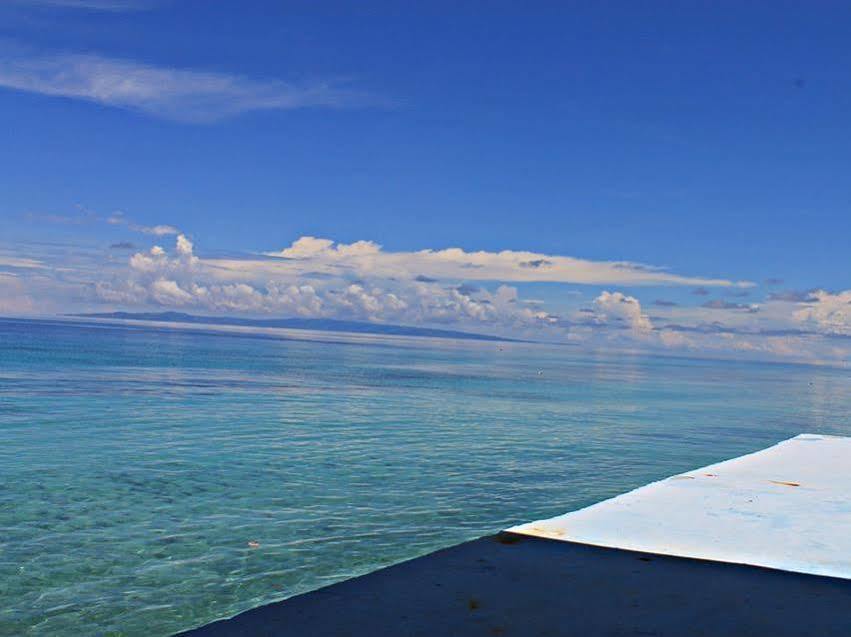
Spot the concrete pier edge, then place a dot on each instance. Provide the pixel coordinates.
(753, 546)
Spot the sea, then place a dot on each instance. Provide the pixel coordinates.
(154, 478)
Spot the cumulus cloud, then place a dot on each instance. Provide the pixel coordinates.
(369, 259)
(171, 93)
(827, 313)
(617, 307)
(178, 278)
(184, 246)
(317, 277)
(168, 292)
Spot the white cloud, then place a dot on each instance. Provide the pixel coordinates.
(371, 304)
(179, 278)
(613, 307)
(306, 247)
(119, 219)
(368, 259)
(313, 247)
(157, 231)
(176, 94)
(360, 281)
(20, 262)
(157, 261)
(167, 292)
(363, 282)
(184, 246)
(827, 313)
(675, 340)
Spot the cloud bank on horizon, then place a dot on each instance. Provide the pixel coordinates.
(320, 278)
(103, 61)
(478, 291)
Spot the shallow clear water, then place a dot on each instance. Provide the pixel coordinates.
(138, 463)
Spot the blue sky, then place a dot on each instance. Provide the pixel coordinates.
(706, 139)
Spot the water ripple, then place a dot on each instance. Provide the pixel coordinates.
(153, 480)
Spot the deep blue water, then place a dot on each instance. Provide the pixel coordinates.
(137, 463)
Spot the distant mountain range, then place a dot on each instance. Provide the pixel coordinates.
(322, 325)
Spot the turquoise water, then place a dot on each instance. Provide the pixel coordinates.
(138, 463)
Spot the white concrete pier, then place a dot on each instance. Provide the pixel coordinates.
(758, 545)
(786, 507)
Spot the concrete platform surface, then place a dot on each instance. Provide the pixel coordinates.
(786, 507)
(521, 585)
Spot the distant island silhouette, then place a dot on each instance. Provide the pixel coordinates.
(322, 325)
